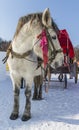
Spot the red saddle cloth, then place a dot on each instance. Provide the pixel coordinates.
(66, 43)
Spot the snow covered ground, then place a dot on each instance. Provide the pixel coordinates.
(58, 111)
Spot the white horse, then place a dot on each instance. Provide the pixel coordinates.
(26, 48)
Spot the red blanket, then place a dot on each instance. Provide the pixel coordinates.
(66, 43)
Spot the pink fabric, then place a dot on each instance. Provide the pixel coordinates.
(44, 46)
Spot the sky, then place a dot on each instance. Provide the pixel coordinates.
(64, 12)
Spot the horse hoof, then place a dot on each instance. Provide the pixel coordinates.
(13, 116)
(25, 118)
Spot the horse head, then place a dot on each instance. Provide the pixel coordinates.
(30, 28)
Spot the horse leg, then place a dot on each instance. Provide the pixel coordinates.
(27, 114)
(35, 94)
(40, 92)
(15, 112)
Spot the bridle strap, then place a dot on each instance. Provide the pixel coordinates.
(50, 39)
(55, 52)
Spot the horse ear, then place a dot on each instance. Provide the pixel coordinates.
(46, 18)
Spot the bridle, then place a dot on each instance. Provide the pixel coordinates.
(55, 51)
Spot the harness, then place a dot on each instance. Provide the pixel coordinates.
(25, 54)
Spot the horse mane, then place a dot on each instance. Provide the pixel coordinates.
(26, 19)
(31, 17)
(55, 27)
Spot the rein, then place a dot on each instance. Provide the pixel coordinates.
(17, 55)
(20, 56)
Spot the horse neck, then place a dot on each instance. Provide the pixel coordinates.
(22, 43)
(25, 39)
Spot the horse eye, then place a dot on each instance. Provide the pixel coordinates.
(54, 37)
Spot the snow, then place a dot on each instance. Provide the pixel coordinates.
(59, 110)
